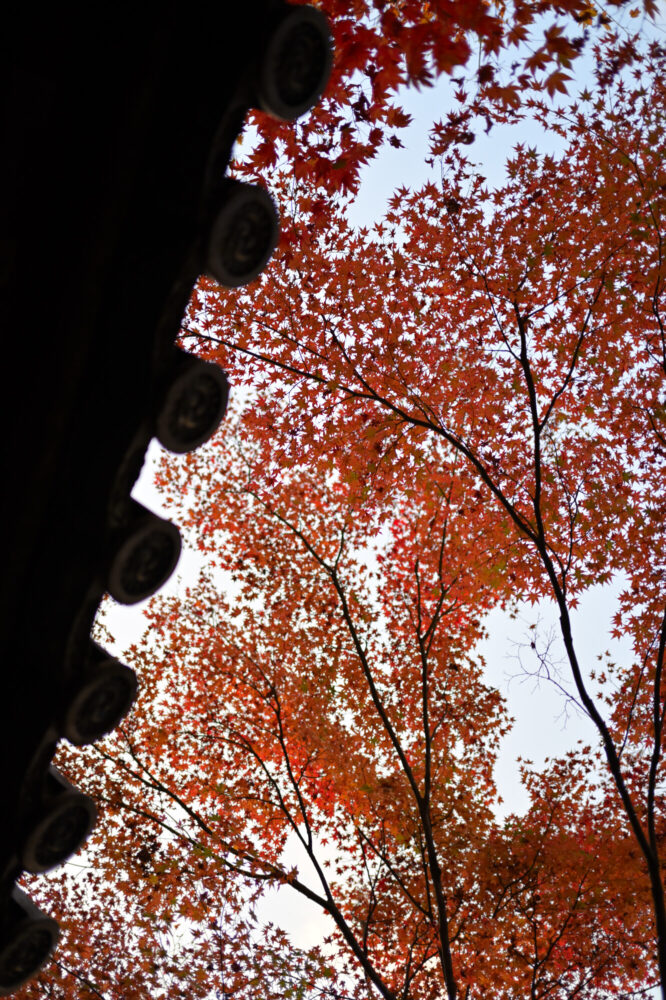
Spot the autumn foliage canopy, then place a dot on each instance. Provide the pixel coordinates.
(458, 408)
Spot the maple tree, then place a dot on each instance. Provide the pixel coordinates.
(459, 408)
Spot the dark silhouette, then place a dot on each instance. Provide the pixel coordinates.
(118, 124)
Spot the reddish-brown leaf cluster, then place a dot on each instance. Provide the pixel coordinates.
(456, 409)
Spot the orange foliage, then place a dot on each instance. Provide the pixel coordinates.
(460, 408)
